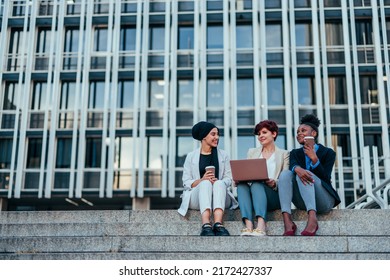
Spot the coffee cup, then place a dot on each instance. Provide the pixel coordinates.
(210, 168)
(309, 140)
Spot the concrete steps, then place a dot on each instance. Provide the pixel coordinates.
(164, 234)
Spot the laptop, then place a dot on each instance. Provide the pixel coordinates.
(249, 169)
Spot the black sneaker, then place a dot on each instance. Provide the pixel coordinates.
(207, 230)
(220, 230)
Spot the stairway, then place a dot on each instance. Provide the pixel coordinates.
(164, 234)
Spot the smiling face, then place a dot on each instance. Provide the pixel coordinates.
(305, 130)
(212, 138)
(266, 137)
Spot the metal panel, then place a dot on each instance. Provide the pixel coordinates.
(287, 79)
(84, 98)
(170, 188)
(165, 144)
(230, 83)
(350, 89)
(107, 99)
(294, 73)
(263, 65)
(317, 68)
(59, 39)
(27, 48)
(137, 87)
(143, 95)
(76, 111)
(114, 95)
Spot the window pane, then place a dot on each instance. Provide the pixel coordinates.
(34, 152)
(5, 153)
(157, 38)
(245, 94)
(68, 93)
(43, 43)
(368, 90)
(275, 88)
(156, 94)
(10, 98)
(39, 96)
(71, 40)
(125, 96)
(272, 4)
(183, 147)
(303, 35)
(96, 95)
(302, 3)
(244, 38)
(127, 40)
(215, 37)
(337, 90)
(123, 152)
(214, 93)
(155, 153)
(273, 35)
(334, 34)
(244, 144)
(93, 152)
(100, 40)
(186, 37)
(64, 152)
(306, 94)
(185, 93)
(363, 32)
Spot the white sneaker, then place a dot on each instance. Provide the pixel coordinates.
(246, 232)
(258, 232)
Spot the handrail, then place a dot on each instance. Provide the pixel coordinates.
(374, 197)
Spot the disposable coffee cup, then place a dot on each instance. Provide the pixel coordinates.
(210, 167)
(309, 140)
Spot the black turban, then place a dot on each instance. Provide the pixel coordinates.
(201, 129)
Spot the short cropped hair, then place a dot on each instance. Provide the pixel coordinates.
(270, 125)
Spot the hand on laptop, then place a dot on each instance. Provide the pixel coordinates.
(271, 183)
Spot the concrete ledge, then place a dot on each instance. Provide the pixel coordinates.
(191, 244)
(168, 216)
(374, 227)
(195, 256)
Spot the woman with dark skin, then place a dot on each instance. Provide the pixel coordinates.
(308, 182)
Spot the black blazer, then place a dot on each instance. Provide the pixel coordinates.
(327, 157)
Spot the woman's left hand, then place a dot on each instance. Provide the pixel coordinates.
(271, 183)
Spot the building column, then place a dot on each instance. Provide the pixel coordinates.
(141, 203)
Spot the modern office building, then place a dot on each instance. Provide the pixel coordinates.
(98, 97)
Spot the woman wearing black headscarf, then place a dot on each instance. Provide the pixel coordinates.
(308, 182)
(207, 191)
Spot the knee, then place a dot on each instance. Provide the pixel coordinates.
(219, 185)
(205, 185)
(285, 179)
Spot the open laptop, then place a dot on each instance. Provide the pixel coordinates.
(249, 169)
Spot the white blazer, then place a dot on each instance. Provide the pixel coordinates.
(191, 173)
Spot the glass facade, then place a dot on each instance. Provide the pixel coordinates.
(97, 98)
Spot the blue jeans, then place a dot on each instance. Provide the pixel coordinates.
(257, 198)
(305, 197)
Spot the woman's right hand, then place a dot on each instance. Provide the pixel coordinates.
(305, 175)
(209, 175)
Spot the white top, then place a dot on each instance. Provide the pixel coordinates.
(271, 165)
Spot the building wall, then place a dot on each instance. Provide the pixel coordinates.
(98, 98)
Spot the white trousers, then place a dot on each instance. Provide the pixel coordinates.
(210, 196)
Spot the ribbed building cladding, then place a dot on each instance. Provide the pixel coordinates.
(98, 98)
